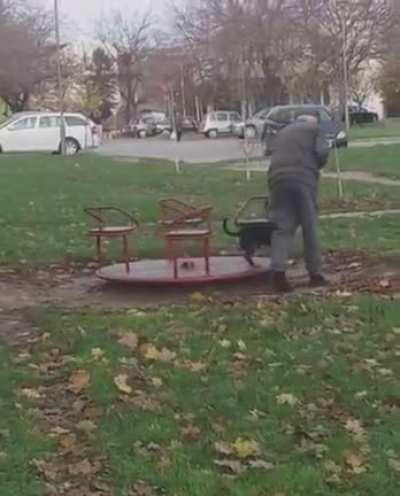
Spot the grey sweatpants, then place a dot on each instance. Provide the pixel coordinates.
(293, 205)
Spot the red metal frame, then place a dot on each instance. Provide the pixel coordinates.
(106, 231)
(181, 222)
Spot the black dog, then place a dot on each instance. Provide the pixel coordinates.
(252, 236)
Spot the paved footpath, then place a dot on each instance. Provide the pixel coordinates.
(198, 150)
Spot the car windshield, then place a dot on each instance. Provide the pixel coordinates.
(261, 113)
(8, 122)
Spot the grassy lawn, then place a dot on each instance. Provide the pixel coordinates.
(379, 160)
(20, 442)
(42, 201)
(388, 129)
(298, 398)
(379, 235)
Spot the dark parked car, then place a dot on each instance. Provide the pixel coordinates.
(360, 115)
(279, 117)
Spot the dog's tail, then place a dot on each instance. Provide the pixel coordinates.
(228, 231)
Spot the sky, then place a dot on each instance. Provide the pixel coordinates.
(83, 13)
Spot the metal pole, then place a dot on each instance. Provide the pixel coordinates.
(183, 90)
(59, 77)
(345, 73)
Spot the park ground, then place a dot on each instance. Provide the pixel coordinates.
(105, 392)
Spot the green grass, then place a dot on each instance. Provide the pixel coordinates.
(20, 443)
(42, 201)
(335, 360)
(388, 129)
(378, 235)
(378, 160)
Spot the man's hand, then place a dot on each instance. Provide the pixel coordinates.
(321, 149)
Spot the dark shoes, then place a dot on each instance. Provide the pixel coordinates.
(279, 283)
(318, 281)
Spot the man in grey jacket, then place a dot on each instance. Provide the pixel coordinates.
(299, 152)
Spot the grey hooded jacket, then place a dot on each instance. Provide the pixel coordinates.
(299, 151)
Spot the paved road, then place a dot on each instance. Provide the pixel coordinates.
(194, 151)
(198, 150)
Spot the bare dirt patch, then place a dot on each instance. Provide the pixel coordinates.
(75, 288)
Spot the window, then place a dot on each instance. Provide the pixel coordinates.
(282, 116)
(49, 122)
(75, 121)
(235, 117)
(324, 115)
(27, 123)
(222, 117)
(262, 114)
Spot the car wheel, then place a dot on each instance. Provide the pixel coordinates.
(142, 134)
(213, 134)
(250, 132)
(71, 147)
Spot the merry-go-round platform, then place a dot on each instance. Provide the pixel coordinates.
(222, 270)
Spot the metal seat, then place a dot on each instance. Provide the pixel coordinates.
(103, 229)
(246, 216)
(181, 222)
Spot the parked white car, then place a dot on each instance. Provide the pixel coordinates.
(219, 122)
(40, 131)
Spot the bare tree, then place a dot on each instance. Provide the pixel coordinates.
(26, 51)
(128, 41)
(340, 32)
(240, 46)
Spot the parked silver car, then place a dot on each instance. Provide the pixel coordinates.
(143, 127)
(254, 126)
(219, 122)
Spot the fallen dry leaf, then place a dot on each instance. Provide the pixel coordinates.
(85, 467)
(261, 464)
(129, 340)
(142, 488)
(31, 394)
(394, 464)
(151, 352)
(332, 467)
(243, 448)
(287, 399)
(97, 354)
(191, 432)
(198, 298)
(354, 426)
(157, 382)
(59, 431)
(79, 381)
(192, 366)
(68, 442)
(86, 426)
(223, 448)
(121, 382)
(355, 462)
(233, 466)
